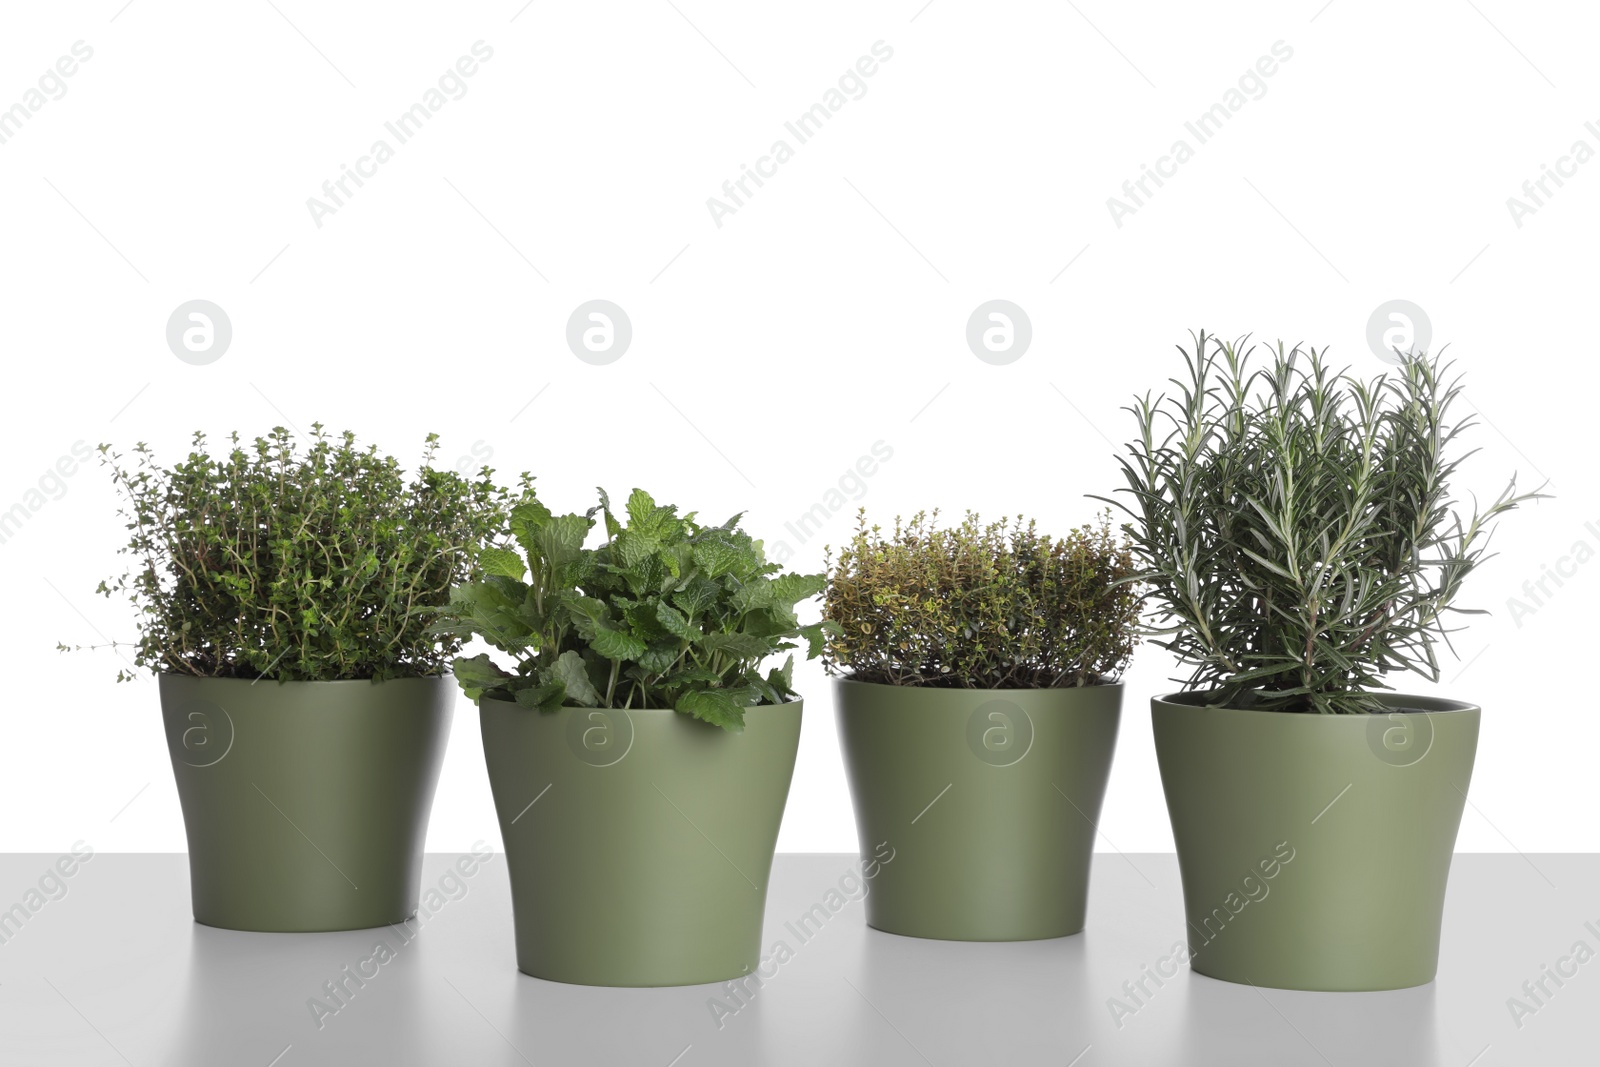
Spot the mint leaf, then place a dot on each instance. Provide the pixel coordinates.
(614, 644)
(694, 676)
(533, 699)
(561, 538)
(814, 635)
(698, 595)
(658, 658)
(714, 706)
(673, 621)
(613, 527)
(569, 668)
(782, 678)
(792, 588)
(549, 696)
(715, 557)
(744, 646)
(477, 674)
(642, 511)
(633, 548)
(502, 562)
(767, 690)
(678, 615)
(756, 593)
(586, 611)
(527, 519)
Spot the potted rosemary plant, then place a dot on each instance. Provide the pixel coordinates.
(284, 598)
(1295, 529)
(640, 759)
(978, 705)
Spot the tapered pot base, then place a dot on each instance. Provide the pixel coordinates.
(639, 843)
(1315, 849)
(984, 802)
(305, 803)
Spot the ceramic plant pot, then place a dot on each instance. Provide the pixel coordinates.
(639, 843)
(1315, 848)
(988, 799)
(305, 803)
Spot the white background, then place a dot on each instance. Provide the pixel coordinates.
(826, 314)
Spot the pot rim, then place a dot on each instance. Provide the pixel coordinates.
(1403, 702)
(632, 711)
(839, 679)
(187, 678)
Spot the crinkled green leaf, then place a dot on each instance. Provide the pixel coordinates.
(698, 595)
(789, 589)
(782, 678)
(714, 706)
(743, 646)
(632, 548)
(644, 516)
(695, 676)
(502, 562)
(716, 557)
(527, 519)
(756, 593)
(660, 656)
(815, 635)
(665, 613)
(561, 538)
(546, 696)
(673, 621)
(614, 644)
(477, 674)
(569, 668)
(613, 527)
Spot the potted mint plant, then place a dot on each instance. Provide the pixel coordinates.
(978, 705)
(639, 757)
(1297, 534)
(285, 599)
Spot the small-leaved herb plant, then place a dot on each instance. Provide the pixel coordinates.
(1294, 525)
(270, 560)
(974, 606)
(665, 613)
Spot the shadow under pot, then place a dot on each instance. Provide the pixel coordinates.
(1315, 848)
(305, 803)
(985, 800)
(639, 843)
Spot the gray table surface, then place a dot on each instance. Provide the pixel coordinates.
(115, 971)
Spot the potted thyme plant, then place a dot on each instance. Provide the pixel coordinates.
(1297, 535)
(284, 598)
(639, 757)
(978, 705)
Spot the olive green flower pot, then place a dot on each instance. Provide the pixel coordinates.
(639, 843)
(305, 803)
(989, 799)
(1314, 849)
